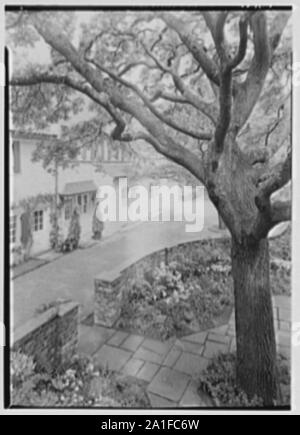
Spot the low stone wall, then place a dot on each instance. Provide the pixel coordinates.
(108, 300)
(110, 286)
(51, 338)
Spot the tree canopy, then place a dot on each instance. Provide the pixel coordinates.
(187, 83)
(182, 82)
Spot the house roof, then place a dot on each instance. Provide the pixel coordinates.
(117, 169)
(79, 187)
(31, 135)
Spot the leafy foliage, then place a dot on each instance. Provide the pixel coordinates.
(193, 292)
(72, 240)
(55, 153)
(81, 384)
(280, 265)
(195, 57)
(52, 104)
(219, 381)
(55, 236)
(180, 297)
(21, 367)
(280, 247)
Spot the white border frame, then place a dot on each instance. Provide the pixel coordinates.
(296, 198)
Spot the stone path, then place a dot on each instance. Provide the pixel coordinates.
(170, 368)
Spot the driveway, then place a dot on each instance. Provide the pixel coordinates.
(72, 276)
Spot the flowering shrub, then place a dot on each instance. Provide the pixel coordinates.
(219, 381)
(178, 298)
(221, 268)
(193, 291)
(80, 385)
(21, 367)
(73, 238)
(278, 263)
(168, 284)
(55, 237)
(17, 256)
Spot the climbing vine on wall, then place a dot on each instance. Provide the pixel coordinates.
(29, 205)
(72, 240)
(56, 238)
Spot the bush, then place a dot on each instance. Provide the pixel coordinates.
(178, 298)
(81, 384)
(193, 292)
(280, 247)
(21, 367)
(72, 240)
(55, 236)
(219, 381)
(168, 284)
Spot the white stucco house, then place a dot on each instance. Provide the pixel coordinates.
(31, 185)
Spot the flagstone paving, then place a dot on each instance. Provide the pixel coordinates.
(170, 369)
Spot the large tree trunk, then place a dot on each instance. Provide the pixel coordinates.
(256, 345)
(222, 225)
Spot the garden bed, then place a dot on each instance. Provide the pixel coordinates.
(219, 382)
(280, 270)
(190, 289)
(81, 384)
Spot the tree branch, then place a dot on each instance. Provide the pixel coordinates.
(209, 109)
(241, 53)
(215, 21)
(128, 67)
(173, 98)
(249, 91)
(32, 79)
(198, 51)
(178, 153)
(225, 99)
(149, 105)
(185, 159)
(277, 28)
(277, 177)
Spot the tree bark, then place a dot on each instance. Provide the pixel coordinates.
(222, 225)
(256, 345)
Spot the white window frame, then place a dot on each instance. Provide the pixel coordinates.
(38, 220)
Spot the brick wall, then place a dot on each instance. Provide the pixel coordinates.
(51, 338)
